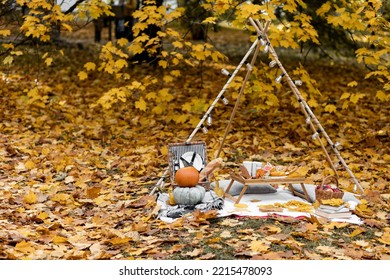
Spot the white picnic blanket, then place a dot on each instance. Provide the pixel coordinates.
(249, 204)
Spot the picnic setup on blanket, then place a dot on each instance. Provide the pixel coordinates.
(256, 189)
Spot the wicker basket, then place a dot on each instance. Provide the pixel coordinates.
(322, 194)
(177, 150)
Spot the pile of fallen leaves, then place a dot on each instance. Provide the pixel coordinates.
(75, 182)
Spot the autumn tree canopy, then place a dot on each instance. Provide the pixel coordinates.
(329, 27)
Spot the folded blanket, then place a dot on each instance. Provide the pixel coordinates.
(210, 202)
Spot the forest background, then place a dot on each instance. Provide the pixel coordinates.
(86, 122)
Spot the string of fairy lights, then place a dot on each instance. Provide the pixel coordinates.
(311, 120)
(207, 115)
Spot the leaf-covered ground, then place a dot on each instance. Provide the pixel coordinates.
(75, 180)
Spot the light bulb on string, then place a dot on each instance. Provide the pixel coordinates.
(224, 100)
(209, 120)
(249, 67)
(308, 120)
(279, 78)
(298, 82)
(204, 129)
(225, 72)
(266, 48)
(176, 165)
(315, 135)
(272, 63)
(337, 145)
(262, 42)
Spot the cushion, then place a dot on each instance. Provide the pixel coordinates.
(252, 189)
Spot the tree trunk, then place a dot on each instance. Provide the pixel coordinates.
(194, 15)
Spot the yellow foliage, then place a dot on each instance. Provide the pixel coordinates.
(82, 75)
(140, 104)
(90, 66)
(333, 201)
(5, 32)
(30, 198)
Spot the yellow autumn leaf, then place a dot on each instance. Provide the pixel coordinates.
(151, 95)
(171, 199)
(120, 63)
(119, 240)
(168, 78)
(8, 60)
(356, 232)
(330, 108)
(175, 73)
(296, 206)
(300, 172)
(8, 46)
(333, 201)
(210, 20)
(48, 61)
(323, 9)
(355, 97)
(385, 238)
(164, 95)
(163, 63)
(352, 84)
(59, 239)
(122, 42)
(177, 44)
(382, 96)
(219, 190)
(90, 66)
(25, 247)
(164, 150)
(30, 198)
(140, 104)
(82, 75)
(159, 109)
(345, 95)
(258, 246)
(5, 32)
(67, 26)
(29, 164)
(241, 205)
(42, 216)
(17, 53)
(62, 198)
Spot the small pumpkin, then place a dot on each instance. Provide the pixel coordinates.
(187, 176)
(189, 196)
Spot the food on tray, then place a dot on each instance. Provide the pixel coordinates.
(260, 173)
(277, 173)
(268, 170)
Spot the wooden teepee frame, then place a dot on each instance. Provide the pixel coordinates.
(311, 119)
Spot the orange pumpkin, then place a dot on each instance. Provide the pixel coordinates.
(187, 176)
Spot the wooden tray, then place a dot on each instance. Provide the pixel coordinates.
(273, 181)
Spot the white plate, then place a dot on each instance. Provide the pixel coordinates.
(191, 159)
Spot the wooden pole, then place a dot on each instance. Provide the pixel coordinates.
(306, 109)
